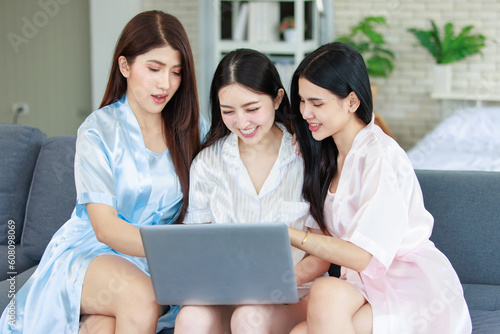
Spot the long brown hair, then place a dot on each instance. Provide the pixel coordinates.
(146, 31)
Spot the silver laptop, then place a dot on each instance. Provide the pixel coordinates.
(221, 264)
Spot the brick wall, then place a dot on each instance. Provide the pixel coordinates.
(404, 98)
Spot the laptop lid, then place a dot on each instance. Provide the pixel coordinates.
(220, 264)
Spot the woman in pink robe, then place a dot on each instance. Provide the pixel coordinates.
(366, 199)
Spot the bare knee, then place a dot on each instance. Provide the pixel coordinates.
(190, 318)
(252, 319)
(138, 306)
(301, 328)
(116, 287)
(332, 304)
(325, 289)
(363, 319)
(328, 293)
(97, 324)
(202, 319)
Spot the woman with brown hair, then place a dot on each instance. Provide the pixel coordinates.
(131, 169)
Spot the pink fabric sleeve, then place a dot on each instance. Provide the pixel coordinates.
(381, 220)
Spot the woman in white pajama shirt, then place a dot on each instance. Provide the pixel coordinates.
(248, 172)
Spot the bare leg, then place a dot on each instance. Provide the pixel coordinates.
(363, 320)
(203, 319)
(333, 308)
(97, 324)
(115, 287)
(264, 319)
(300, 328)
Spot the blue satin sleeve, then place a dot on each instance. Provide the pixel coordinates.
(94, 177)
(204, 128)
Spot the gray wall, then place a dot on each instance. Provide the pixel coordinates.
(107, 20)
(45, 62)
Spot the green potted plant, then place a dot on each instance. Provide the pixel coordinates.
(447, 48)
(371, 45)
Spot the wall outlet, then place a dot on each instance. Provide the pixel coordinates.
(21, 108)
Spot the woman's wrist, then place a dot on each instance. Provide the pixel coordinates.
(298, 237)
(305, 238)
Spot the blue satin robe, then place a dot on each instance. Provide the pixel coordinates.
(113, 167)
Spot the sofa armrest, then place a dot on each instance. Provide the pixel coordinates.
(19, 148)
(466, 220)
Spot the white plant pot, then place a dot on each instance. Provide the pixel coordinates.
(290, 35)
(442, 78)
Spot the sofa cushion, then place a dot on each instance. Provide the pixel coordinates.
(10, 265)
(5, 286)
(482, 297)
(484, 306)
(466, 214)
(53, 195)
(485, 322)
(19, 147)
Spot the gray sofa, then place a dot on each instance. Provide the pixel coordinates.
(466, 210)
(37, 195)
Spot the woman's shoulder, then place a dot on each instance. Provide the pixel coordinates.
(287, 152)
(212, 154)
(102, 120)
(379, 148)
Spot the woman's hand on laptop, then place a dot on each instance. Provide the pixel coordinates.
(310, 267)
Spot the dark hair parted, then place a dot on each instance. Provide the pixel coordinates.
(340, 69)
(254, 71)
(146, 31)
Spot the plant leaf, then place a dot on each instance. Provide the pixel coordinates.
(370, 44)
(426, 39)
(449, 48)
(375, 37)
(379, 66)
(387, 53)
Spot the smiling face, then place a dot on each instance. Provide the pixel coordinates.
(152, 79)
(248, 114)
(326, 113)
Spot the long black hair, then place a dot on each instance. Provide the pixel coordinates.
(341, 70)
(253, 70)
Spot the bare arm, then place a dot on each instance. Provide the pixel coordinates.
(331, 249)
(310, 267)
(113, 231)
